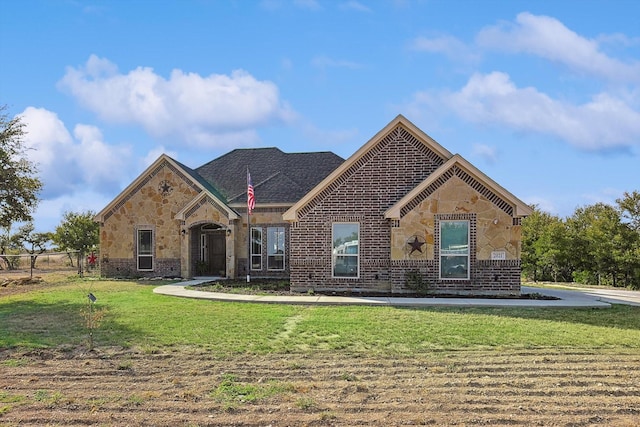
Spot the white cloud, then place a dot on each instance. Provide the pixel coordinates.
(50, 211)
(153, 155)
(606, 122)
(67, 163)
(199, 110)
(98, 161)
(549, 38)
(446, 45)
(489, 154)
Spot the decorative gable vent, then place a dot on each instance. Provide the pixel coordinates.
(469, 180)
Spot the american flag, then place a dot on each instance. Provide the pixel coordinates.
(251, 197)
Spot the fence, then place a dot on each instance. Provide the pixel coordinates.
(48, 262)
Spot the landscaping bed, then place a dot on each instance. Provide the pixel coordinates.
(280, 287)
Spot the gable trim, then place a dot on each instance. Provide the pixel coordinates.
(461, 168)
(141, 181)
(202, 199)
(400, 127)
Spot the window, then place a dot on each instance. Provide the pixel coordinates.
(345, 253)
(454, 249)
(275, 248)
(145, 250)
(204, 249)
(256, 248)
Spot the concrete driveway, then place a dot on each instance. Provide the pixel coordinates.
(611, 296)
(578, 297)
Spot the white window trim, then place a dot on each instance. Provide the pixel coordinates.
(138, 254)
(252, 254)
(334, 256)
(468, 254)
(284, 251)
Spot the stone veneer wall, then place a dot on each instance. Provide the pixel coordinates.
(146, 207)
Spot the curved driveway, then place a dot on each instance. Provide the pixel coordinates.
(578, 297)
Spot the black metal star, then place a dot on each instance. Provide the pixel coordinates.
(416, 245)
(165, 187)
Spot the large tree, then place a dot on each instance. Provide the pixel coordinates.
(19, 185)
(630, 207)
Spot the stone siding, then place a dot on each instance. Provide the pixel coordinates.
(147, 206)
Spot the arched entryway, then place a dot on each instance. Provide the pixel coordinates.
(209, 250)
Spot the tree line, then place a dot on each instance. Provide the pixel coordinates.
(597, 245)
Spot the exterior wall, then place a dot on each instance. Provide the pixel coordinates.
(396, 165)
(494, 231)
(146, 207)
(262, 217)
(208, 211)
(364, 193)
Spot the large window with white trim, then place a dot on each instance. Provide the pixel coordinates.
(144, 249)
(275, 248)
(454, 250)
(256, 248)
(346, 249)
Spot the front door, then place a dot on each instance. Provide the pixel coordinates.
(217, 253)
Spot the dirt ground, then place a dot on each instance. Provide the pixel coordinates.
(194, 387)
(189, 387)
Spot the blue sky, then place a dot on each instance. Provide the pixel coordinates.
(542, 96)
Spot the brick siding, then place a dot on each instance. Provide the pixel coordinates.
(362, 194)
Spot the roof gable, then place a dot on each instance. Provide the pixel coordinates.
(164, 160)
(460, 167)
(400, 125)
(202, 199)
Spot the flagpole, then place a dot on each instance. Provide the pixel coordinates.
(248, 229)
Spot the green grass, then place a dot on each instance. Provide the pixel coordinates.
(231, 391)
(136, 317)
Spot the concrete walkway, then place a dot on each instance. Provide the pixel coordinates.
(568, 298)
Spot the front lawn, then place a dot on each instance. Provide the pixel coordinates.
(133, 316)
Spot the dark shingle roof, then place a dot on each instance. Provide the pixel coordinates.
(194, 175)
(277, 177)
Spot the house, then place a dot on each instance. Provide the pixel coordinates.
(401, 212)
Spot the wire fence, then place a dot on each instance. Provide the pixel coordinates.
(47, 262)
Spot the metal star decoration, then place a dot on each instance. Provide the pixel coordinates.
(165, 187)
(416, 245)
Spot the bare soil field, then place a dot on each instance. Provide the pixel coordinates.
(194, 388)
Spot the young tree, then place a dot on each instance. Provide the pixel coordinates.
(34, 243)
(77, 232)
(19, 187)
